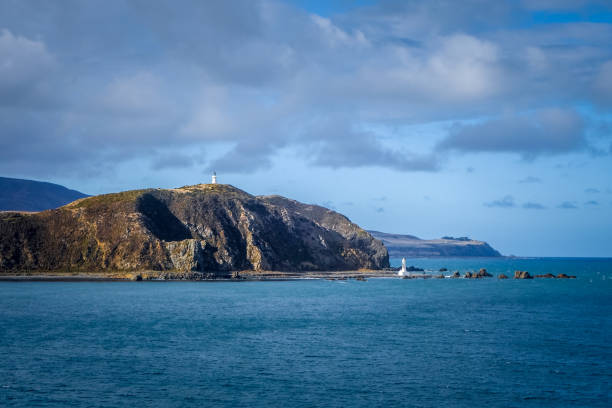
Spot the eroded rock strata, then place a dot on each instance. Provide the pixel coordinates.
(202, 228)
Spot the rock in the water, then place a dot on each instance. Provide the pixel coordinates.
(441, 276)
(456, 274)
(502, 276)
(548, 275)
(470, 275)
(186, 233)
(522, 275)
(482, 273)
(414, 269)
(564, 276)
(443, 269)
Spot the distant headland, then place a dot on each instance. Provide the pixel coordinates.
(410, 246)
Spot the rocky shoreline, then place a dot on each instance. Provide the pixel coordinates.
(360, 275)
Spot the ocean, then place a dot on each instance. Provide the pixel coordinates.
(309, 343)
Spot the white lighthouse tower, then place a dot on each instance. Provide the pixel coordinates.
(403, 272)
(214, 178)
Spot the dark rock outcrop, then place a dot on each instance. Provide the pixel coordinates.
(410, 246)
(189, 232)
(565, 276)
(482, 273)
(548, 275)
(522, 275)
(502, 276)
(456, 274)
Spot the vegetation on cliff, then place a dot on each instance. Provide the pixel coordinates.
(205, 228)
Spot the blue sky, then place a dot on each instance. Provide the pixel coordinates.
(486, 119)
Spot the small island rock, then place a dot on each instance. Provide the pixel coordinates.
(522, 275)
(482, 273)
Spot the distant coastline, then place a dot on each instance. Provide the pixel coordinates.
(400, 245)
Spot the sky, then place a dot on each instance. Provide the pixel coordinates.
(485, 119)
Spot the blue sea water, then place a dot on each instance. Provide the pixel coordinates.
(384, 342)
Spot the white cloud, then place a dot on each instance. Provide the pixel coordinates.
(259, 75)
(23, 64)
(547, 131)
(137, 94)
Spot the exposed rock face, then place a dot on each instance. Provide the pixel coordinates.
(502, 276)
(410, 246)
(548, 276)
(455, 275)
(200, 228)
(522, 275)
(564, 276)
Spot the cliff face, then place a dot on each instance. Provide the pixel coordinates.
(411, 246)
(205, 228)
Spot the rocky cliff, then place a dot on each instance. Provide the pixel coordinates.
(411, 246)
(210, 228)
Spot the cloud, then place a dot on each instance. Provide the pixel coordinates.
(602, 83)
(567, 205)
(533, 206)
(547, 131)
(80, 92)
(591, 203)
(134, 95)
(245, 156)
(505, 202)
(335, 145)
(24, 65)
(176, 160)
(591, 190)
(530, 179)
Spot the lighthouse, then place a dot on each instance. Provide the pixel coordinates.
(402, 272)
(214, 178)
